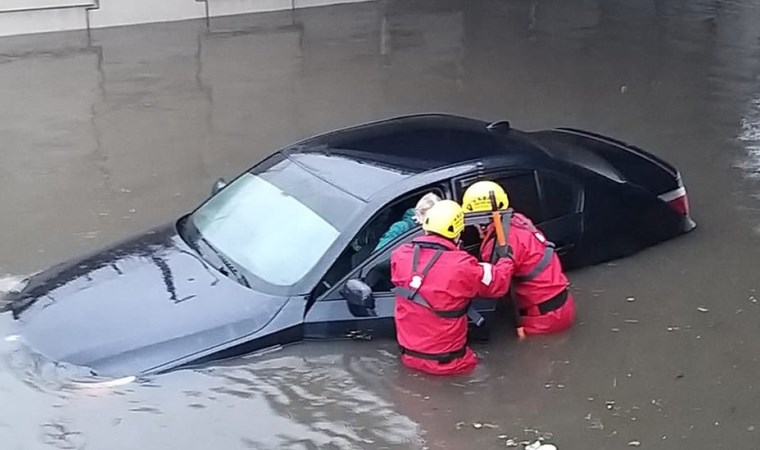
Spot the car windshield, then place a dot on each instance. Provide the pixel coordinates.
(275, 224)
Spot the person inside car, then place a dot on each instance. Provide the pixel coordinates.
(411, 218)
(540, 288)
(434, 283)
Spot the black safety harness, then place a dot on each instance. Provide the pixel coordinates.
(548, 305)
(412, 293)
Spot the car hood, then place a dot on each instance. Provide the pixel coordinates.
(146, 303)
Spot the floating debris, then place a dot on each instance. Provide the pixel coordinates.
(535, 446)
(751, 428)
(631, 321)
(615, 330)
(752, 299)
(477, 425)
(703, 309)
(630, 299)
(508, 441)
(596, 422)
(673, 328)
(623, 89)
(610, 405)
(634, 444)
(459, 425)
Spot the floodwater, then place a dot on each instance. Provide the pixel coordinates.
(107, 134)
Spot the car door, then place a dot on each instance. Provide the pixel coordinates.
(552, 201)
(328, 314)
(331, 315)
(561, 210)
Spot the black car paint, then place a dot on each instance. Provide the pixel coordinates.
(85, 311)
(86, 314)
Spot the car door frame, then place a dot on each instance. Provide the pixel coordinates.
(329, 315)
(566, 231)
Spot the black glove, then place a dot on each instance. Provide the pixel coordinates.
(504, 251)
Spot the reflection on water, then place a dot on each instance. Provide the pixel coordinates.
(312, 392)
(113, 132)
(750, 137)
(281, 401)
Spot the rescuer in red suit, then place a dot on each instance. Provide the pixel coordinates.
(434, 283)
(543, 302)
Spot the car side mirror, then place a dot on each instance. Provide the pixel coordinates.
(359, 298)
(218, 186)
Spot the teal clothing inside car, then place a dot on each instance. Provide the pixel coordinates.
(406, 223)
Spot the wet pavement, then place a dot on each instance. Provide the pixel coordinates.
(106, 134)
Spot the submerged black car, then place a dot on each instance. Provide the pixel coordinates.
(267, 259)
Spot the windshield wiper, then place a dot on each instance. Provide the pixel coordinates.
(230, 267)
(227, 263)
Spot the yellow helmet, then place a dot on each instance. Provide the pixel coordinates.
(445, 218)
(477, 198)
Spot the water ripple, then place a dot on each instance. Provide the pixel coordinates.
(750, 136)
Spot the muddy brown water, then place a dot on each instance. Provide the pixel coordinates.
(106, 134)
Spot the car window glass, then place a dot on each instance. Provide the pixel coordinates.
(560, 195)
(275, 222)
(523, 195)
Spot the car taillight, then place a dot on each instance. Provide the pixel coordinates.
(678, 200)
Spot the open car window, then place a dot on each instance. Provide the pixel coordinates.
(392, 225)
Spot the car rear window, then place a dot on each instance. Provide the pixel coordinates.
(583, 157)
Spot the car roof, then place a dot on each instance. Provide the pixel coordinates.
(366, 159)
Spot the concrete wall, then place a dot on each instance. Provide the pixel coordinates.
(15, 20)
(40, 16)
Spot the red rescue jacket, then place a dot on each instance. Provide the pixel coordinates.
(437, 325)
(533, 258)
